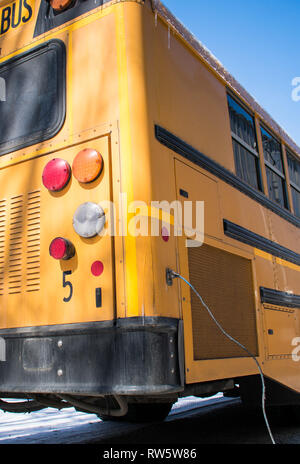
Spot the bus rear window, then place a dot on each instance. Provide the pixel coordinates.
(32, 104)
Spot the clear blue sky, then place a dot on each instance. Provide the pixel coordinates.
(258, 42)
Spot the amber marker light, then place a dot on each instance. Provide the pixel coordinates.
(87, 165)
(60, 5)
(61, 248)
(56, 174)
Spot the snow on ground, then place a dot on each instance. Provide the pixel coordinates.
(70, 426)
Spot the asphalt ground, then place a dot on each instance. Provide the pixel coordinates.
(192, 424)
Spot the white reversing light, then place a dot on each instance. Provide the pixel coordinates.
(89, 220)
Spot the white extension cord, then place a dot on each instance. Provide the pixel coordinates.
(172, 274)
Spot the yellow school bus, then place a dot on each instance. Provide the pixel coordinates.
(114, 118)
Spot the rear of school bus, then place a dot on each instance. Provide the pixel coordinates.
(103, 105)
(73, 320)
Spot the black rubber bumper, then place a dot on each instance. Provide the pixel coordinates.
(134, 356)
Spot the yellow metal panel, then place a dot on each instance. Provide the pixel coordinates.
(206, 189)
(132, 308)
(94, 75)
(184, 95)
(280, 330)
(201, 187)
(34, 216)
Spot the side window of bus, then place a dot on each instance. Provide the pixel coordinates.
(294, 171)
(32, 100)
(274, 169)
(244, 143)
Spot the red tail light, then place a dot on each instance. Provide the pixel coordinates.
(61, 248)
(56, 174)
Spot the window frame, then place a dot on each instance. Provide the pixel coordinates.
(293, 185)
(240, 141)
(291, 155)
(274, 169)
(43, 135)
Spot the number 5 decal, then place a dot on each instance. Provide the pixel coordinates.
(67, 283)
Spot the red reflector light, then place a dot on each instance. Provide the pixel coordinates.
(61, 248)
(97, 268)
(56, 174)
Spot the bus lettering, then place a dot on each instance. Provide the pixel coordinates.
(5, 19)
(15, 14)
(15, 23)
(29, 12)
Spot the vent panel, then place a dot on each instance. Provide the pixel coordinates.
(224, 280)
(33, 243)
(20, 244)
(15, 245)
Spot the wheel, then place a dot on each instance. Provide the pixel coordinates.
(142, 412)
